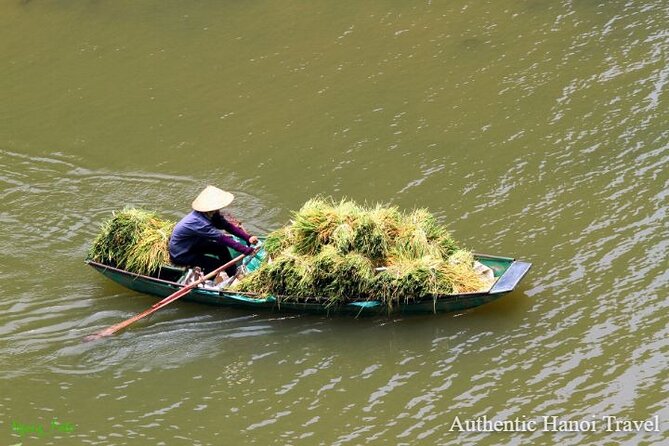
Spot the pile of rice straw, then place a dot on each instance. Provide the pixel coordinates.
(341, 251)
(133, 239)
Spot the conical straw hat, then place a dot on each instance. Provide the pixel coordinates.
(212, 199)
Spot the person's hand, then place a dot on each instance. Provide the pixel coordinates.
(253, 240)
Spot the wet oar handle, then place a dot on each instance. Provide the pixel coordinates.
(169, 299)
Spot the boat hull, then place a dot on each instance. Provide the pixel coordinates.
(508, 272)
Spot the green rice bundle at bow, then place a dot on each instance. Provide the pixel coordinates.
(338, 251)
(133, 239)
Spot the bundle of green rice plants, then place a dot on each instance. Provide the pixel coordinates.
(388, 219)
(393, 286)
(383, 287)
(284, 275)
(353, 278)
(254, 282)
(324, 270)
(347, 211)
(104, 249)
(369, 238)
(461, 256)
(459, 272)
(312, 225)
(410, 285)
(419, 234)
(300, 284)
(116, 234)
(436, 234)
(133, 239)
(342, 238)
(268, 277)
(411, 278)
(447, 246)
(411, 241)
(427, 223)
(330, 250)
(302, 279)
(412, 246)
(278, 241)
(150, 252)
(287, 275)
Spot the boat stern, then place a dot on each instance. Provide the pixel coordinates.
(511, 277)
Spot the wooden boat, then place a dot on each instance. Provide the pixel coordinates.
(508, 273)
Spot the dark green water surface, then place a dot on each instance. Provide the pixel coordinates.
(535, 129)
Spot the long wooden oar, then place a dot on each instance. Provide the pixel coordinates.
(168, 300)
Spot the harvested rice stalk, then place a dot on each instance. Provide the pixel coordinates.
(416, 236)
(133, 239)
(286, 275)
(435, 234)
(447, 246)
(353, 277)
(369, 238)
(388, 219)
(346, 210)
(342, 238)
(408, 279)
(324, 271)
(278, 241)
(312, 226)
(459, 269)
(330, 251)
(150, 252)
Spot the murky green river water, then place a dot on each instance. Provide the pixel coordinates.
(535, 129)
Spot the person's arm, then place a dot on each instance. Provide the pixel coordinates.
(210, 230)
(232, 229)
(230, 242)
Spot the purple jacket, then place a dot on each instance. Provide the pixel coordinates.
(196, 228)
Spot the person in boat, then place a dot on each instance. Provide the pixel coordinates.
(198, 240)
